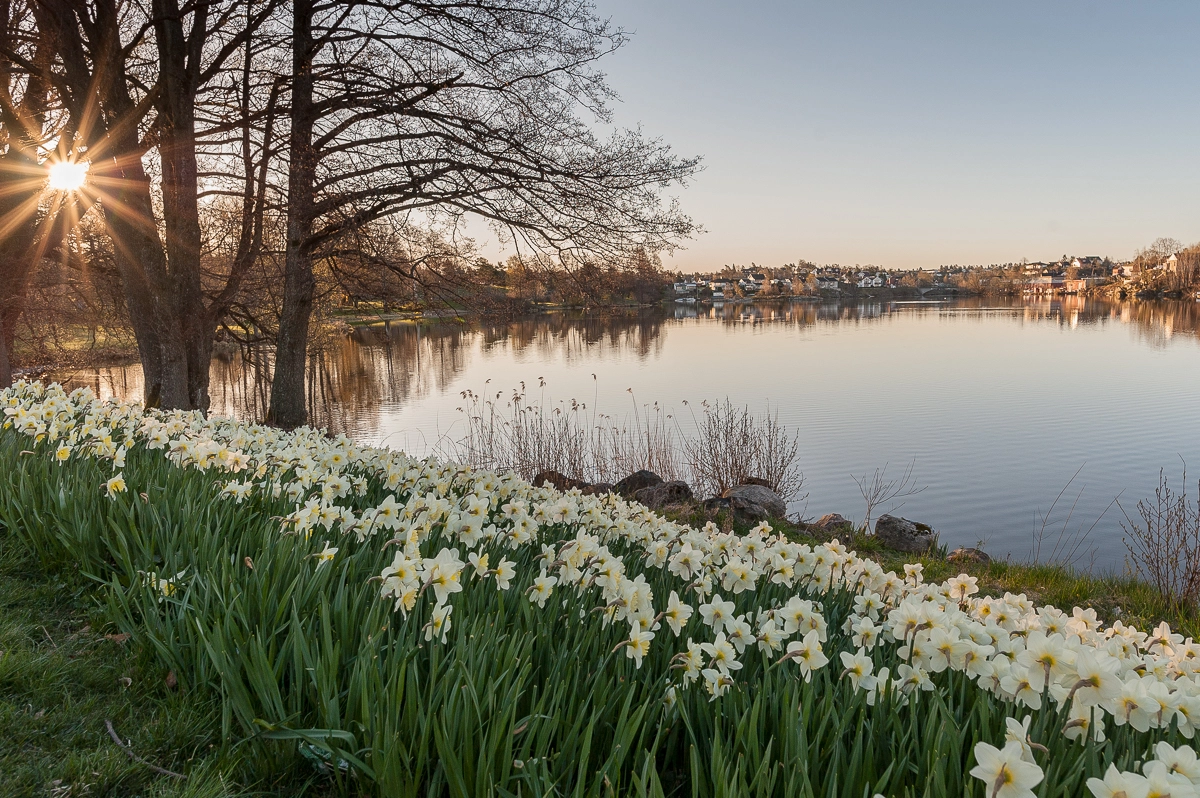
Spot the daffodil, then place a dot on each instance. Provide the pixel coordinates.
(115, 485)
(808, 654)
(325, 554)
(638, 644)
(541, 589)
(1003, 771)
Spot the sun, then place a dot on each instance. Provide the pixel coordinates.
(68, 175)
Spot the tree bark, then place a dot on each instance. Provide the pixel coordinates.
(288, 408)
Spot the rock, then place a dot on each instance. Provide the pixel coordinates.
(745, 510)
(900, 534)
(768, 500)
(757, 481)
(969, 556)
(636, 481)
(716, 504)
(596, 488)
(656, 496)
(557, 480)
(833, 521)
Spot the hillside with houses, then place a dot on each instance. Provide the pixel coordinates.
(1164, 269)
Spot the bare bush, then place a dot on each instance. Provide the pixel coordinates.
(732, 445)
(1164, 542)
(877, 490)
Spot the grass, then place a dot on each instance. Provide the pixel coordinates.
(65, 671)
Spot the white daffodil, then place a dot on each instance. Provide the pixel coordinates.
(439, 623)
(1117, 784)
(1003, 771)
(808, 654)
(325, 554)
(856, 666)
(541, 589)
(638, 644)
(115, 485)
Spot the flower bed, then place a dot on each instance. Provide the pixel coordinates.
(418, 627)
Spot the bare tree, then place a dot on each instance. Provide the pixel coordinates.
(452, 109)
(132, 77)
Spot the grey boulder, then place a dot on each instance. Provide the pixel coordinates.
(656, 496)
(770, 503)
(968, 556)
(636, 481)
(900, 534)
(833, 521)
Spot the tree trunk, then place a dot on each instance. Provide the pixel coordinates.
(287, 387)
(5, 367)
(141, 264)
(178, 66)
(20, 215)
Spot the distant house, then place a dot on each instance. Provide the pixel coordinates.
(681, 288)
(1172, 264)
(1081, 284)
(1044, 284)
(827, 283)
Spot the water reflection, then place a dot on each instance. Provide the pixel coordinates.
(394, 363)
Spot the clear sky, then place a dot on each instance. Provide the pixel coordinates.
(910, 134)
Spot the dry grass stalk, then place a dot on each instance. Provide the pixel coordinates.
(729, 444)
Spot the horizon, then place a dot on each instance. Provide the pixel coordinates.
(918, 136)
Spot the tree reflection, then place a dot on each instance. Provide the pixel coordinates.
(389, 364)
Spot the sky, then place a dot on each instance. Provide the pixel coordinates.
(915, 134)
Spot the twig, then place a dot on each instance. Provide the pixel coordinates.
(129, 752)
(51, 639)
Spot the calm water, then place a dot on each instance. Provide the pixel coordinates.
(999, 405)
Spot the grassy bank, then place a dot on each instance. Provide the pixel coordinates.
(403, 627)
(1114, 597)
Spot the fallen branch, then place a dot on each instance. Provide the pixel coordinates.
(129, 752)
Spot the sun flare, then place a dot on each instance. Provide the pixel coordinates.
(68, 175)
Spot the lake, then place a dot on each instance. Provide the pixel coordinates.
(1001, 407)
